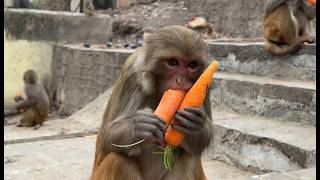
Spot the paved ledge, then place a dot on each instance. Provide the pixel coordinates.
(58, 27)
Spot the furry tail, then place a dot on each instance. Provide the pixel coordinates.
(275, 49)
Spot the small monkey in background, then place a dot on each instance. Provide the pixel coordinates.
(88, 8)
(171, 58)
(288, 23)
(36, 105)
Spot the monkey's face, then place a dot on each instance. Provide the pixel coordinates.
(30, 77)
(175, 55)
(179, 73)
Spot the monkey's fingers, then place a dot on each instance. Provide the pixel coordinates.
(184, 129)
(147, 136)
(154, 121)
(157, 134)
(189, 121)
(149, 114)
(191, 116)
(196, 111)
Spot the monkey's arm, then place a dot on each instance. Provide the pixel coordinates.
(27, 103)
(127, 130)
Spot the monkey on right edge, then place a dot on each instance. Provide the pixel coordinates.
(288, 23)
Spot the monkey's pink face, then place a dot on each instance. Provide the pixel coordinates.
(180, 73)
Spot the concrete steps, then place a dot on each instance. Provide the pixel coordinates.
(261, 145)
(102, 66)
(291, 100)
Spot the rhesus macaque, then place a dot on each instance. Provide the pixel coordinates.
(172, 58)
(36, 106)
(88, 8)
(288, 23)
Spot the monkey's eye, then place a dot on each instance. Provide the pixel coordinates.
(173, 62)
(193, 66)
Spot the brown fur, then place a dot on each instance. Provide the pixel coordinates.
(88, 8)
(284, 23)
(136, 88)
(37, 103)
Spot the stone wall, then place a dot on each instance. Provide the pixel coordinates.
(81, 74)
(57, 27)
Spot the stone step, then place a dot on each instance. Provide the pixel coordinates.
(261, 145)
(284, 100)
(251, 58)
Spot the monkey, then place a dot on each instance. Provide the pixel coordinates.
(171, 58)
(88, 8)
(287, 22)
(36, 104)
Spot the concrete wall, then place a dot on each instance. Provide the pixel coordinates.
(82, 74)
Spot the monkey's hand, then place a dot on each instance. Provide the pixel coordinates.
(18, 98)
(193, 122)
(149, 127)
(25, 104)
(189, 120)
(125, 131)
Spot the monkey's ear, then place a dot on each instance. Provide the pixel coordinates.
(148, 83)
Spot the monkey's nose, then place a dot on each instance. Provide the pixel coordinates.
(180, 81)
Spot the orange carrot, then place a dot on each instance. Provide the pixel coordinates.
(169, 104)
(313, 2)
(194, 98)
